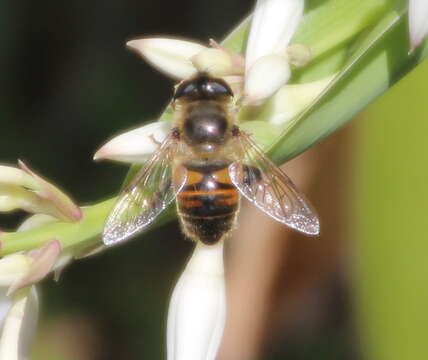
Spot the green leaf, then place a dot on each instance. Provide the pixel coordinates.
(380, 60)
(326, 24)
(332, 23)
(389, 237)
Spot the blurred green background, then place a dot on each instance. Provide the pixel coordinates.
(391, 202)
(68, 84)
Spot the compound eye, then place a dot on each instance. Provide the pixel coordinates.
(218, 88)
(202, 87)
(186, 89)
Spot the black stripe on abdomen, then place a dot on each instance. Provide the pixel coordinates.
(208, 206)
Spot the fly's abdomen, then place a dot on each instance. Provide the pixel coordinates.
(208, 203)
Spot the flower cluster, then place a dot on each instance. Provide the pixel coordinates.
(258, 79)
(22, 188)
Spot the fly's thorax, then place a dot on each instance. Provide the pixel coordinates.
(205, 125)
(203, 117)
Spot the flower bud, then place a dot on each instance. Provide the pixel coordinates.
(137, 145)
(197, 309)
(12, 176)
(170, 56)
(36, 221)
(213, 61)
(43, 261)
(64, 207)
(24, 189)
(265, 77)
(14, 197)
(273, 25)
(418, 21)
(13, 268)
(292, 99)
(19, 325)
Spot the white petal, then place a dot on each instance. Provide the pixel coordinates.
(213, 61)
(23, 188)
(170, 56)
(136, 145)
(418, 21)
(13, 176)
(19, 326)
(29, 323)
(63, 261)
(13, 268)
(291, 100)
(44, 259)
(12, 198)
(5, 304)
(63, 207)
(36, 221)
(265, 77)
(274, 23)
(15, 197)
(197, 309)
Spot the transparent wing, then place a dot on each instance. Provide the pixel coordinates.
(150, 192)
(265, 185)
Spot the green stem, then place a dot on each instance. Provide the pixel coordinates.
(82, 234)
(70, 234)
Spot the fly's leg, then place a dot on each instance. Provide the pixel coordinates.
(154, 141)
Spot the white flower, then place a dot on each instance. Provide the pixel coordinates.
(197, 310)
(19, 325)
(266, 62)
(136, 145)
(18, 298)
(273, 25)
(264, 70)
(20, 270)
(35, 221)
(266, 65)
(265, 77)
(219, 61)
(180, 59)
(21, 188)
(291, 99)
(418, 21)
(13, 268)
(171, 56)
